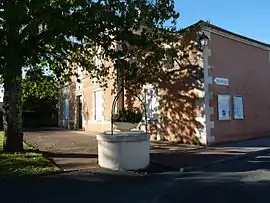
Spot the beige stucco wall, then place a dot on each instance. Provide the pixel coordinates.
(89, 86)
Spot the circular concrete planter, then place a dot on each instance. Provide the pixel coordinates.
(125, 126)
(123, 150)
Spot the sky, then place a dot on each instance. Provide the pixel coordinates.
(246, 17)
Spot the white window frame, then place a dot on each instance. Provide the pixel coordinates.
(224, 107)
(80, 77)
(152, 103)
(97, 105)
(66, 109)
(238, 108)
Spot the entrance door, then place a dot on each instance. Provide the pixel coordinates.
(80, 113)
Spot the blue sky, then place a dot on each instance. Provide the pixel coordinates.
(245, 17)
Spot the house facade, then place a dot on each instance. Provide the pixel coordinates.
(236, 71)
(232, 105)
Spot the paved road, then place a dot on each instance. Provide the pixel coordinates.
(84, 187)
(246, 180)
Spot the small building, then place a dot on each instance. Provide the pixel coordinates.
(233, 104)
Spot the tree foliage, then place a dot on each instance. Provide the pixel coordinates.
(52, 31)
(65, 34)
(37, 86)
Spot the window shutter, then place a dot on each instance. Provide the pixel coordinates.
(98, 105)
(66, 109)
(150, 98)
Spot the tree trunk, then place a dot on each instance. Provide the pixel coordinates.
(13, 139)
(12, 75)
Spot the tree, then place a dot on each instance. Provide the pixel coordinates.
(37, 85)
(61, 33)
(40, 92)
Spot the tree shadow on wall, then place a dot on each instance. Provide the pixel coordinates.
(178, 79)
(180, 107)
(180, 93)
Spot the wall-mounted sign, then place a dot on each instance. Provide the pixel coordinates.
(238, 107)
(224, 107)
(221, 81)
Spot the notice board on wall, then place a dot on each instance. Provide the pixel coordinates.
(224, 107)
(238, 107)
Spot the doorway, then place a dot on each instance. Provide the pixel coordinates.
(79, 113)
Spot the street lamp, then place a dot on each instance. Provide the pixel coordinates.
(203, 41)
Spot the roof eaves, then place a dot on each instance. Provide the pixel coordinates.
(211, 26)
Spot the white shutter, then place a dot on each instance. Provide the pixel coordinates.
(148, 103)
(66, 109)
(98, 105)
(151, 103)
(79, 85)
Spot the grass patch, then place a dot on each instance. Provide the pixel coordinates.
(25, 163)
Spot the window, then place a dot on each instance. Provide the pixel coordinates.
(98, 65)
(97, 62)
(80, 73)
(66, 108)
(224, 107)
(238, 108)
(150, 99)
(98, 105)
(65, 91)
(79, 79)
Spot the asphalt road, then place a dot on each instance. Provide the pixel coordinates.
(246, 180)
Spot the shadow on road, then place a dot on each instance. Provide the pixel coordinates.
(121, 187)
(70, 155)
(214, 188)
(246, 180)
(82, 187)
(40, 129)
(159, 161)
(258, 161)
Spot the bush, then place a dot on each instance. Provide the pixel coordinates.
(128, 115)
